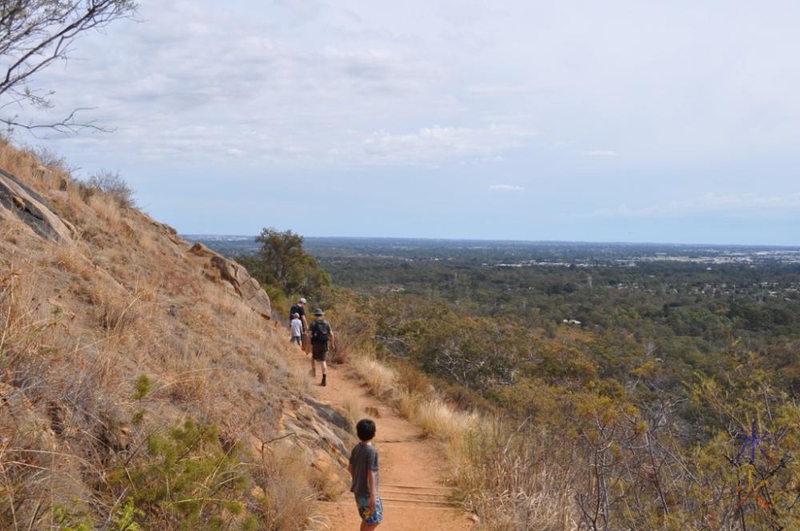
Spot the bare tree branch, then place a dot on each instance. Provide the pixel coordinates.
(36, 33)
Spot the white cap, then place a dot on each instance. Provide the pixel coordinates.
(303, 300)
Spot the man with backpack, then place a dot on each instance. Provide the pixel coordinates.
(322, 338)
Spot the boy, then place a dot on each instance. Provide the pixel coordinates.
(321, 338)
(299, 309)
(297, 330)
(363, 468)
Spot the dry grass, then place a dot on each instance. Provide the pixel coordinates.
(146, 242)
(44, 400)
(354, 408)
(379, 379)
(437, 418)
(287, 499)
(82, 321)
(73, 259)
(327, 483)
(107, 209)
(512, 483)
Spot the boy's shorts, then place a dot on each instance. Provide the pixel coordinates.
(370, 517)
(296, 339)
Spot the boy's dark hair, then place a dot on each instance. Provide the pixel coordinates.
(365, 429)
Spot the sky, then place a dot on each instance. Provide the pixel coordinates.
(575, 120)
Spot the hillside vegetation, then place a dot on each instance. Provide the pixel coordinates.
(141, 378)
(656, 397)
(143, 385)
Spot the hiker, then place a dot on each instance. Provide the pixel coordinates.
(299, 309)
(321, 338)
(363, 469)
(297, 330)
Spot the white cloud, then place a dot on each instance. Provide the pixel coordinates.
(710, 203)
(231, 77)
(267, 88)
(430, 145)
(506, 187)
(497, 90)
(601, 153)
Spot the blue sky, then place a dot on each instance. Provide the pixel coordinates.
(638, 121)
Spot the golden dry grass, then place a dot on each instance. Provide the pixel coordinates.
(509, 484)
(380, 379)
(513, 484)
(353, 407)
(106, 208)
(73, 259)
(288, 500)
(82, 321)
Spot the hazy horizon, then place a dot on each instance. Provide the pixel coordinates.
(499, 240)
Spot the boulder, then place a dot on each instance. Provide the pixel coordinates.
(238, 278)
(32, 209)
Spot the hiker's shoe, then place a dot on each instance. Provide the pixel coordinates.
(324, 380)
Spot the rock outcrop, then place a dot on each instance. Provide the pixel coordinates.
(32, 209)
(238, 278)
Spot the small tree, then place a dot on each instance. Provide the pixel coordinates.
(285, 264)
(36, 33)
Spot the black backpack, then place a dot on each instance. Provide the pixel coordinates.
(320, 331)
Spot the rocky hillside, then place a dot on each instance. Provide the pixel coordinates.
(142, 380)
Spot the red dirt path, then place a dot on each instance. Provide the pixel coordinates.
(412, 467)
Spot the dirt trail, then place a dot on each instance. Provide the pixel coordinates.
(412, 468)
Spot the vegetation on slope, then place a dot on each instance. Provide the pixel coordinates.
(139, 390)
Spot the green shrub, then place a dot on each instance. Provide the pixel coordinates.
(190, 481)
(143, 385)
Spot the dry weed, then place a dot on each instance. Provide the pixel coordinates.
(116, 309)
(11, 159)
(107, 208)
(191, 386)
(288, 495)
(354, 408)
(379, 379)
(415, 382)
(71, 258)
(75, 210)
(147, 243)
(441, 421)
(515, 483)
(327, 483)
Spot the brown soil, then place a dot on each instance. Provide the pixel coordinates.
(412, 480)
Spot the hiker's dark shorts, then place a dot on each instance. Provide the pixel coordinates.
(319, 351)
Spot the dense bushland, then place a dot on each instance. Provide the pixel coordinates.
(672, 404)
